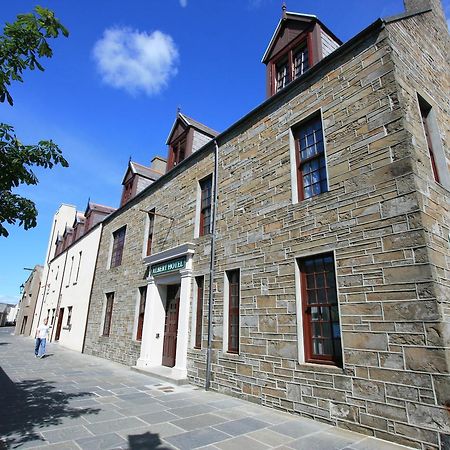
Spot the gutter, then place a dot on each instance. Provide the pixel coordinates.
(211, 267)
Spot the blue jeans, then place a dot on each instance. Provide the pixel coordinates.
(39, 347)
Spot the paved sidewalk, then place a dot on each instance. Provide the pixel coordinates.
(70, 401)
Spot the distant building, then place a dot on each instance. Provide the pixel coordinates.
(27, 304)
(5, 310)
(11, 319)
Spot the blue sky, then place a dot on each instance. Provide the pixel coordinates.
(112, 89)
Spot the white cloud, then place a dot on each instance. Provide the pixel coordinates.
(183, 3)
(136, 61)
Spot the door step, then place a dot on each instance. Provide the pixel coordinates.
(163, 373)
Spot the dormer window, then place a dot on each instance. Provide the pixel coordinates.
(178, 152)
(301, 60)
(292, 65)
(186, 137)
(281, 75)
(300, 41)
(127, 191)
(290, 68)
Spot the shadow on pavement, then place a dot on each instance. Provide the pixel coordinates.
(4, 343)
(146, 441)
(29, 405)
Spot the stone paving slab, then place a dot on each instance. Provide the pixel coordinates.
(70, 401)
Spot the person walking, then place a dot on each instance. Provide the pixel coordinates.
(41, 339)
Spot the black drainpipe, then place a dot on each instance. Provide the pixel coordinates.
(211, 266)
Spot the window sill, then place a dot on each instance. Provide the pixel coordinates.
(319, 367)
(203, 237)
(231, 355)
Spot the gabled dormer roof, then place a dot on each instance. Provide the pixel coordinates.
(138, 169)
(185, 121)
(296, 19)
(97, 207)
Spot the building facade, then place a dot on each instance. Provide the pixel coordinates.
(27, 304)
(70, 274)
(322, 219)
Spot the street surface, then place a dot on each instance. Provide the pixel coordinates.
(68, 400)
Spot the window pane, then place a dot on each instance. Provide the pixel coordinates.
(233, 315)
(322, 315)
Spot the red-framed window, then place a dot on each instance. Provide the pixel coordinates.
(177, 152)
(292, 62)
(151, 226)
(233, 310)
(205, 205)
(108, 313)
(199, 313)
(425, 112)
(321, 327)
(117, 250)
(141, 312)
(127, 191)
(310, 155)
(281, 75)
(300, 60)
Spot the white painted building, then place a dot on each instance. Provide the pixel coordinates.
(70, 271)
(77, 273)
(65, 215)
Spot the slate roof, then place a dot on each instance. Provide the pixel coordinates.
(143, 171)
(97, 207)
(189, 122)
(298, 17)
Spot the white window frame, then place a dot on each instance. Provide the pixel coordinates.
(299, 305)
(293, 156)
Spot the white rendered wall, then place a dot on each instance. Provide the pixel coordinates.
(76, 291)
(64, 216)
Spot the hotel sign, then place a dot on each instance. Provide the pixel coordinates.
(169, 266)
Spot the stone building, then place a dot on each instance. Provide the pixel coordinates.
(322, 219)
(27, 303)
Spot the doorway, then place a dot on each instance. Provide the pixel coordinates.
(58, 327)
(24, 324)
(171, 325)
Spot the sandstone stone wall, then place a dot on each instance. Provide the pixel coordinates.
(384, 218)
(372, 219)
(175, 198)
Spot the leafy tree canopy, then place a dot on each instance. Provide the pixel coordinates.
(22, 45)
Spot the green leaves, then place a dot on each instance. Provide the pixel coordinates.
(16, 162)
(23, 43)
